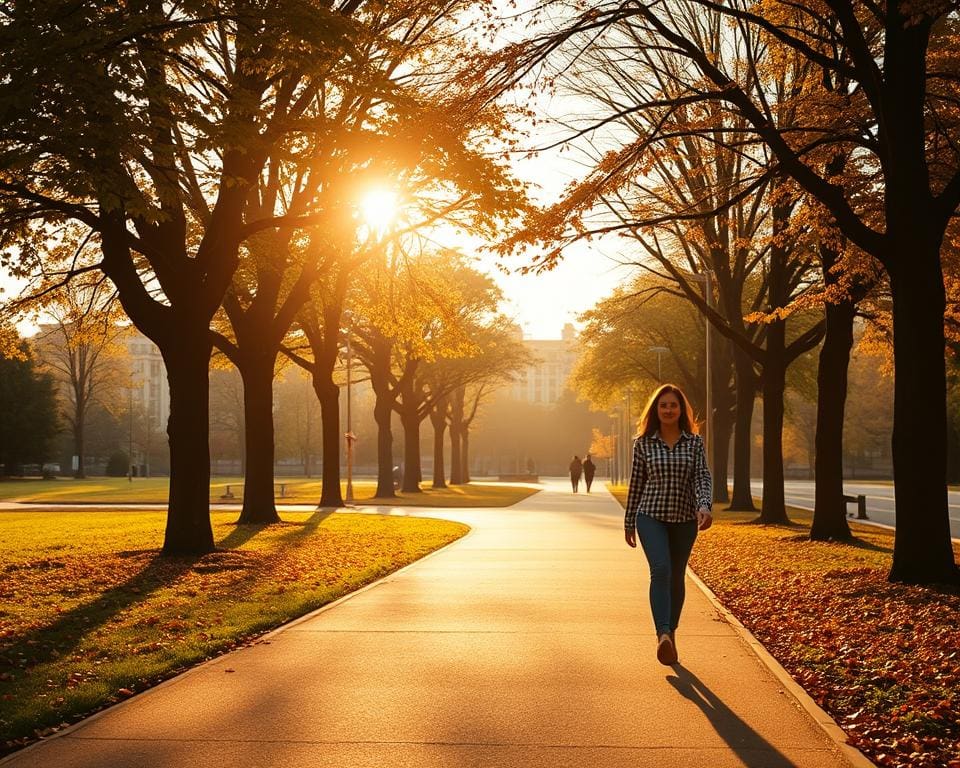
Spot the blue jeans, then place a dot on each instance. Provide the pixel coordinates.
(667, 548)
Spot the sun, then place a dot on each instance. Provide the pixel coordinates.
(379, 209)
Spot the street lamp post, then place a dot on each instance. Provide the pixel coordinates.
(624, 442)
(613, 449)
(349, 436)
(627, 442)
(659, 351)
(130, 432)
(706, 278)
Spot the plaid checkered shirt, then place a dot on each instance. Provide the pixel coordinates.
(668, 484)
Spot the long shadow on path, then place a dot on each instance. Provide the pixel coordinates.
(747, 744)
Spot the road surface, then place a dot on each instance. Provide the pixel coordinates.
(880, 505)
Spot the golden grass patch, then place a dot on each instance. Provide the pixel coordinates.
(287, 490)
(90, 612)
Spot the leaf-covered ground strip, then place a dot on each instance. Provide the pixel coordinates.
(883, 659)
(297, 490)
(90, 613)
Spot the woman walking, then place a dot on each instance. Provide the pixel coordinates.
(668, 501)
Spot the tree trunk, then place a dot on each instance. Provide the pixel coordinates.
(78, 442)
(408, 409)
(724, 402)
(377, 362)
(382, 415)
(329, 395)
(456, 456)
(720, 451)
(922, 551)
(465, 453)
(456, 426)
(773, 506)
(411, 448)
(439, 421)
(742, 437)
(724, 405)
(829, 510)
(187, 359)
(258, 501)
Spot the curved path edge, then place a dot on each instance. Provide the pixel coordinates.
(819, 715)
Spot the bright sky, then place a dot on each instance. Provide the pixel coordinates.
(543, 303)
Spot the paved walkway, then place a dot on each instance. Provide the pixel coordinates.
(525, 644)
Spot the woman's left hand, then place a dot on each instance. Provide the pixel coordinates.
(704, 519)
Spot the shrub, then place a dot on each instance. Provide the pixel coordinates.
(118, 464)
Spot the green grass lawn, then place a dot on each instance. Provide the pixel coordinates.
(298, 490)
(90, 613)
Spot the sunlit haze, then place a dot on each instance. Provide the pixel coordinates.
(543, 303)
(379, 208)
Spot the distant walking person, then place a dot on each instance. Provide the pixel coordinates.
(589, 470)
(668, 501)
(576, 469)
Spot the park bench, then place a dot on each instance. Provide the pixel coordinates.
(228, 493)
(861, 501)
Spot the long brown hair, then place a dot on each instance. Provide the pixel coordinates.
(650, 420)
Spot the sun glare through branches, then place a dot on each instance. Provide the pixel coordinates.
(379, 209)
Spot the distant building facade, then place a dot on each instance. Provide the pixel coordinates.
(149, 389)
(543, 382)
(132, 387)
(535, 423)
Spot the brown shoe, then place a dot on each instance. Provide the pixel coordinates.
(666, 651)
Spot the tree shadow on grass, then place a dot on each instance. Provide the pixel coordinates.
(61, 638)
(853, 543)
(242, 533)
(299, 530)
(857, 543)
(752, 749)
(294, 530)
(790, 525)
(67, 632)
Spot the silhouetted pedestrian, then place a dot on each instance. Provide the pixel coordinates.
(576, 469)
(589, 470)
(669, 500)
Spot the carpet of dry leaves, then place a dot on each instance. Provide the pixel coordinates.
(883, 659)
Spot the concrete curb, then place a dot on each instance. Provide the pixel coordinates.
(851, 754)
(222, 657)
